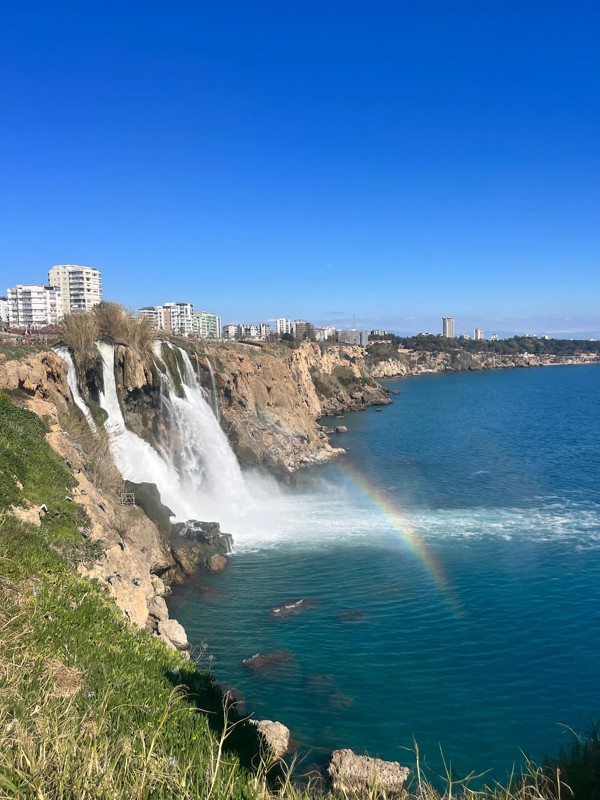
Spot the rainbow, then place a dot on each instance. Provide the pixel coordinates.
(403, 528)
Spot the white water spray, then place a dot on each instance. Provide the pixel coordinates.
(213, 390)
(64, 353)
(136, 459)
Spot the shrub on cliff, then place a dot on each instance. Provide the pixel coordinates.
(116, 324)
(80, 333)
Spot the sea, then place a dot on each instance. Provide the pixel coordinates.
(450, 568)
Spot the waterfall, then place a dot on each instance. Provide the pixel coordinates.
(195, 469)
(136, 460)
(198, 449)
(213, 389)
(64, 353)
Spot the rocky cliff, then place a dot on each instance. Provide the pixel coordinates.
(271, 398)
(409, 362)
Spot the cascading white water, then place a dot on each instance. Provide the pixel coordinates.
(198, 450)
(136, 459)
(213, 390)
(64, 353)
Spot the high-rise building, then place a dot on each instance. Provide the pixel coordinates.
(178, 318)
(206, 325)
(283, 325)
(155, 314)
(265, 330)
(80, 287)
(448, 327)
(3, 310)
(232, 331)
(353, 336)
(478, 334)
(301, 330)
(34, 306)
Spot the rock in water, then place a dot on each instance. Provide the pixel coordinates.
(364, 777)
(216, 563)
(264, 662)
(341, 429)
(274, 738)
(290, 607)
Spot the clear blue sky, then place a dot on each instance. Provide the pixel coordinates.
(393, 160)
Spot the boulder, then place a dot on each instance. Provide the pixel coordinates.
(274, 738)
(341, 429)
(361, 776)
(174, 632)
(216, 563)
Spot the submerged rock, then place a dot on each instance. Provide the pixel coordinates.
(265, 662)
(361, 776)
(350, 616)
(291, 607)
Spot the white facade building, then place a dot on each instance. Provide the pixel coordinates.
(3, 310)
(178, 318)
(283, 325)
(478, 334)
(448, 327)
(206, 325)
(34, 306)
(155, 314)
(80, 287)
(231, 331)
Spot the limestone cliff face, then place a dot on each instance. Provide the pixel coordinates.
(408, 362)
(134, 556)
(271, 398)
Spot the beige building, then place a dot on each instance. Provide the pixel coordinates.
(80, 287)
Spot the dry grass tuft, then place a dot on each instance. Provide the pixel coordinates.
(67, 680)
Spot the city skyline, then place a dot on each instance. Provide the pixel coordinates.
(396, 165)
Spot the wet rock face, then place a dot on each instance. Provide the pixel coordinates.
(270, 399)
(196, 545)
(364, 777)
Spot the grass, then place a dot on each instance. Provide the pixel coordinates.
(110, 322)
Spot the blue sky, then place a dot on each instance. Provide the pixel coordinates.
(396, 161)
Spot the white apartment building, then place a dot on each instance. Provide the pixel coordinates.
(283, 325)
(80, 287)
(265, 330)
(178, 318)
(448, 327)
(231, 331)
(3, 310)
(328, 333)
(206, 325)
(155, 314)
(34, 306)
(478, 334)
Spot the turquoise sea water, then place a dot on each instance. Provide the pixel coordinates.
(463, 527)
